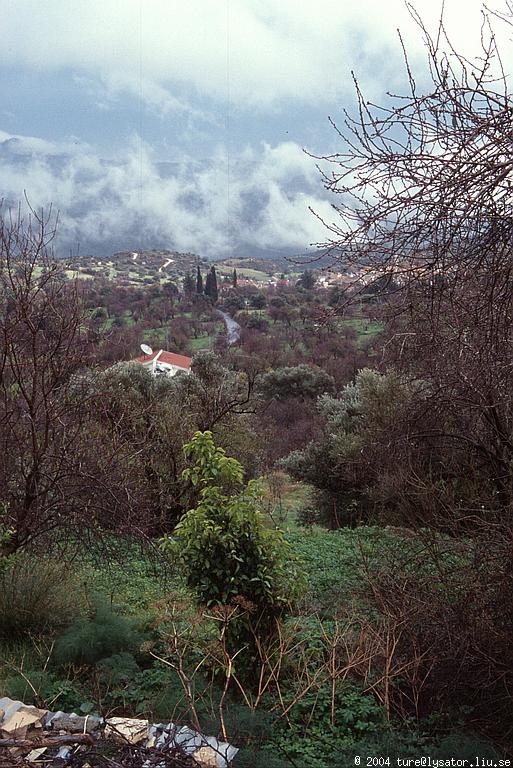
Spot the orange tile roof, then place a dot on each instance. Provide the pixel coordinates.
(171, 358)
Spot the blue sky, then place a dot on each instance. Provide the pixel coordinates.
(182, 124)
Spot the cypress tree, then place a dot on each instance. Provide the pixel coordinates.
(214, 293)
(234, 278)
(208, 285)
(199, 281)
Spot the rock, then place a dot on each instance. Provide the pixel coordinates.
(127, 729)
(206, 757)
(60, 721)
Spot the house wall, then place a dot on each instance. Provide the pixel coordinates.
(172, 370)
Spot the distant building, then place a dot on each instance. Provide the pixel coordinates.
(162, 363)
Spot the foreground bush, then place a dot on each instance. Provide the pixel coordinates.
(433, 631)
(99, 636)
(226, 551)
(37, 595)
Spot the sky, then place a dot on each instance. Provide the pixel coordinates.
(184, 124)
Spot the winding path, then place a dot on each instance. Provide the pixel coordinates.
(167, 263)
(232, 328)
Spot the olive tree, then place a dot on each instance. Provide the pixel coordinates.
(424, 190)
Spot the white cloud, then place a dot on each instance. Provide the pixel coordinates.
(254, 52)
(258, 197)
(176, 57)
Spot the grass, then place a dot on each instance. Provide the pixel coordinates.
(73, 274)
(251, 274)
(201, 342)
(285, 498)
(155, 334)
(127, 317)
(207, 340)
(365, 327)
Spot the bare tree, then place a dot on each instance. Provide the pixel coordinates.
(424, 186)
(58, 475)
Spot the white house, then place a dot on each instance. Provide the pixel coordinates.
(165, 363)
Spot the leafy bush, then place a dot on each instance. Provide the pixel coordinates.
(254, 757)
(44, 688)
(88, 640)
(342, 462)
(321, 726)
(37, 595)
(223, 545)
(301, 381)
(6, 536)
(117, 669)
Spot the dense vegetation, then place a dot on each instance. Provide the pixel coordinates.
(305, 545)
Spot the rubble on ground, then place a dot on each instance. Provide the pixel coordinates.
(30, 736)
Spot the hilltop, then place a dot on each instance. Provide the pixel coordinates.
(163, 265)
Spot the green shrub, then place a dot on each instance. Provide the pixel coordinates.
(117, 669)
(43, 688)
(256, 757)
(37, 595)
(311, 738)
(223, 546)
(464, 745)
(88, 640)
(6, 537)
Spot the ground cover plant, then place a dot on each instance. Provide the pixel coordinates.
(143, 655)
(305, 545)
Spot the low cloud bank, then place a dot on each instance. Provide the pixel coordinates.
(257, 199)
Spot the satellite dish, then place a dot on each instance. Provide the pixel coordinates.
(146, 349)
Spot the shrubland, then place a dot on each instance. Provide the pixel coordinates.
(302, 646)
(379, 620)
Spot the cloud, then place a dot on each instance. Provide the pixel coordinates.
(255, 53)
(257, 198)
(186, 61)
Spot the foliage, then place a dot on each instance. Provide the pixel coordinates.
(301, 381)
(257, 300)
(140, 415)
(338, 566)
(426, 619)
(199, 281)
(150, 575)
(37, 595)
(211, 289)
(342, 463)
(223, 545)
(416, 744)
(320, 727)
(440, 625)
(189, 285)
(45, 688)
(6, 535)
(307, 280)
(101, 635)
(150, 418)
(336, 562)
(43, 347)
(215, 392)
(424, 198)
